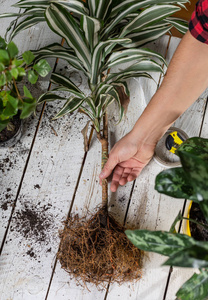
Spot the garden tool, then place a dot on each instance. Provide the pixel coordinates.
(173, 141)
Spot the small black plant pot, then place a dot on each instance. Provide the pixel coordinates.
(9, 138)
(194, 230)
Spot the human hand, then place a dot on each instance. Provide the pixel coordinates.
(128, 156)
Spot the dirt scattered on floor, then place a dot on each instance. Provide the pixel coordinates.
(31, 253)
(34, 223)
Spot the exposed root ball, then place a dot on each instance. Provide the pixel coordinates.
(97, 249)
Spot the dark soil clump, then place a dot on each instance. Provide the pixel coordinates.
(197, 231)
(34, 223)
(96, 249)
(6, 134)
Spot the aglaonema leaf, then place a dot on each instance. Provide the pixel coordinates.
(164, 243)
(196, 146)
(194, 288)
(195, 256)
(197, 170)
(175, 183)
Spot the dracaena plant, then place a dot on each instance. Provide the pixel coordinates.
(100, 35)
(13, 70)
(190, 182)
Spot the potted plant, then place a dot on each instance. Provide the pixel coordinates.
(99, 35)
(189, 182)
(16, 102)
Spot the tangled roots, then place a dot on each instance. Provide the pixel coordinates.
(97, 249)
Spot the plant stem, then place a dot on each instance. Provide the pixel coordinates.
(16, 88)
(104, 142)
(198, 223)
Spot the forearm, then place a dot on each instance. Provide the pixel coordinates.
(185, 80)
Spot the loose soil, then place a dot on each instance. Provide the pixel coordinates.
(6, 134)
(34, 223)
(197, 231)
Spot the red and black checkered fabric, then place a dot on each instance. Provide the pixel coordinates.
(198, 25)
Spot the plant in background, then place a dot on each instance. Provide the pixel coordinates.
(99, 36)
(13, 69)
(190, 182)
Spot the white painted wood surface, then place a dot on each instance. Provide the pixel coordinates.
(50, 180)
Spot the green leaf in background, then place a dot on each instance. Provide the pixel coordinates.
(3, 124)
(11, 106)
(2, 68)
(2, 79)
(28, 107)
(164, 243)
(14, 72)
(174, 182)
(28, 57)
(27, 93)
(42, 68)
(196, 288)
(17, 62)
(2, 43)
(4, 57)
(8, 76)
(32, 76)
(12, 50)
(21, 71)
(204, 208)
(196, 256)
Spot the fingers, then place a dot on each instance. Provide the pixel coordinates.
(108, 168)
(134, 174)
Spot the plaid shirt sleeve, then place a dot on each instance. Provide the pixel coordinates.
(198, 25)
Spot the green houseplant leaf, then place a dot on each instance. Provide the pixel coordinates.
(195, 288)
(160, 242)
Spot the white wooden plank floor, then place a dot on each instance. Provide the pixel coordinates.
(49, 175)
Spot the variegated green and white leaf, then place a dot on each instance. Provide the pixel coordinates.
(74, 6)
(148, 17)
(102, 8)
(58, 51)
(27, 23)
(48, 97)
(123, 5)
(91, 105)
(104, 101)
(91, 27)
(72, 104)
(102, 88)
(61, 22)
(195, 288)
(160, 242)
(138, 68)
(113, 92)
(125, 8)
(97, 56)
(146, 36)
(124, 56)
(65, 84)
(179, 24)
(93, 5)
(119, 84)
(33, 3)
